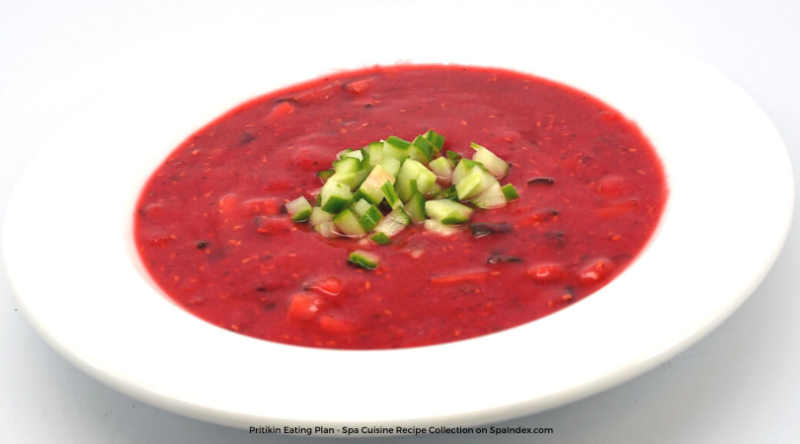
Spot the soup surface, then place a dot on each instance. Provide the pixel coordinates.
(212, 229)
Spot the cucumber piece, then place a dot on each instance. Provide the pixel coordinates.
(347, 165)
(413, 170)
(421, 150)
(442, 168)
(497, 166)
(355, 154)
(299, 209)
(325, 175)
(393, 223)
(370, 218)
(352, 180)
(492, 197)
(391, 165)
(375, 152)
(371, 187)
(474, 183)
(391, 195)
(510, 192)
(327, 229)
(398, 143)
(318, 216)
(463, 168)
(335, 196)
(381, 238)
(436, 139)
(426, 184)
(347, 223)
(366, 165)
(453, 157)
(396, 148)
(342, 153)
(415, 207)
(437, 227)
(448, 193)
(361, 206)
(447, 211)
(364, 259)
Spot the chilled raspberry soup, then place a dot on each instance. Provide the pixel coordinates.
(212, 227)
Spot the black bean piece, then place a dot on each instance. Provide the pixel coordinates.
(541, 181)
(481, 229)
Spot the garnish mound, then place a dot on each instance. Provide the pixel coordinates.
(382, 188)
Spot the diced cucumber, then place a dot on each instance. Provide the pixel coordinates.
(347, 223)
(474, 183)
(364, 259)
(447, 211)
(510, 192)
(299, 209)
(370, 218)
(393, 223)
(366, 165)
(325, 175)
(391, 195)
(391, 165)
(347, 165)
(413, 170)
(395, 148)
(448, 193)
(327, 229)
(398, 142)
(375, 152)
(371, 187)
(318, 216)
(352, 180)
(442, 168)
(426, 184)
(453, 157)
(381, 238)
(497, 166)
(421, 150)
(342, 153)
(436, 139)
(437, 227)
(492, 197)
(415, 207)
(355, 154)
(335, 196)
(361, 206)
(463, 168)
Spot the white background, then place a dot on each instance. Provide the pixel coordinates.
(740, 384)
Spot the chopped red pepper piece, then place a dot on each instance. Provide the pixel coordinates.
(305, 307)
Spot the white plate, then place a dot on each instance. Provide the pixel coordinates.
(70, 256)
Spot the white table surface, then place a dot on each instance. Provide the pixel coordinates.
(741, 384)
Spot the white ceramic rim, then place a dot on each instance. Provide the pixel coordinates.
(70, 259)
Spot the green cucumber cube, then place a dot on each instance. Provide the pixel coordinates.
(381, 238)
(497, 166)
(318, 216)
(474, 183)
(391, 195)
(335, 196)
(447, 211)
(436, 139)
(347, 223)
(442, 168)
(364, 259)
(492, 197)
(299, 209)
(510, 192)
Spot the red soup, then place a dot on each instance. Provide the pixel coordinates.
(213, 231)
